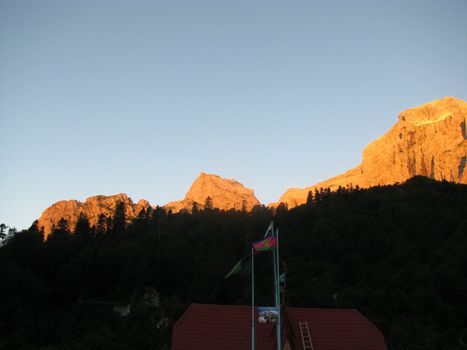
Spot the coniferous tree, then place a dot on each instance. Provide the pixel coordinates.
(195, 208)
(82, 227)
(3, 232)
(60, 231)
(309, 199)
(119, 218)
(101, 225)
(395, 253)
(208, 203)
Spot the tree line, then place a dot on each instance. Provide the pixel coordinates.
(395, 253)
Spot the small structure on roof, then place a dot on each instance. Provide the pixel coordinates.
(214, 327)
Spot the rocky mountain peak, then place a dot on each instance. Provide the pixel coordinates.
(428, 140)
(92, 208)
(432, 112)
(224, 194)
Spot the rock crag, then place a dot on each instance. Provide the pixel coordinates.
(428, 140)
(208, 189)
(224, 194)
(92, 208)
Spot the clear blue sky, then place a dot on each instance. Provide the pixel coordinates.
(103, 97)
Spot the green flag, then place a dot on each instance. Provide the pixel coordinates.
(242, 266)
(283, 277)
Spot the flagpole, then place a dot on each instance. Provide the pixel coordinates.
(252, 299)
(275, 267)
(278, 291)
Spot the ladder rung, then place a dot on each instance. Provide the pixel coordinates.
(306, 338)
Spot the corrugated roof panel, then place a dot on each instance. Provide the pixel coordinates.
(214, 327)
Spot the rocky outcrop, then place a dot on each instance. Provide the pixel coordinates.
(429, 140)
(92, 208)
(208, 189)
(216, 192)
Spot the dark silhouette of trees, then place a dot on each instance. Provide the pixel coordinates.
(195, 208)
(3, 232)
(102, 225)
(119, 219)
(309, 199)
(208, 203)
(82, 227)
(395, 253)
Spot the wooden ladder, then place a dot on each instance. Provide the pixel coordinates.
(306, 338)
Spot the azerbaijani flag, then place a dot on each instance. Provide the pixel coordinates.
(269, 243)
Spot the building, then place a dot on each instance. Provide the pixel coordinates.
(224, 327)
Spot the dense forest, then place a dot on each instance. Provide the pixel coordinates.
(397, 253)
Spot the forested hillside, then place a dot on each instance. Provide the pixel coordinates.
(397, 253)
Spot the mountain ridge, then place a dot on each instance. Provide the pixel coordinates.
(428, 140)
(92, 208)
(224, 194)
(207, 190)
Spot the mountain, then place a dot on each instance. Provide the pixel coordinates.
(92, 208)
(428, 140)
(397, 253)
(225, 194)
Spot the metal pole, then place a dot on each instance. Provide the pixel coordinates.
(274, 261)
(278, 294)
(252, 300)
(275, 267)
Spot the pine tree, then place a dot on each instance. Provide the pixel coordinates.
(119, 218)
(82, 227)
(208, 203)
(3, 234)
(309, 199)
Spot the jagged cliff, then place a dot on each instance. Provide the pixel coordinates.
(428, 140)
(224, 194)
(92, 208)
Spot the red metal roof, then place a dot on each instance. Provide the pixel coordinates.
(214, 327)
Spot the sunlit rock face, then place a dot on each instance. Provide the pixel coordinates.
(92, 208)
(224, 194)
(428, 140)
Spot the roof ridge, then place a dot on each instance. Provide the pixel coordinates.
(283, 308)
(182, 317)
(222, 305)
(319, 308)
